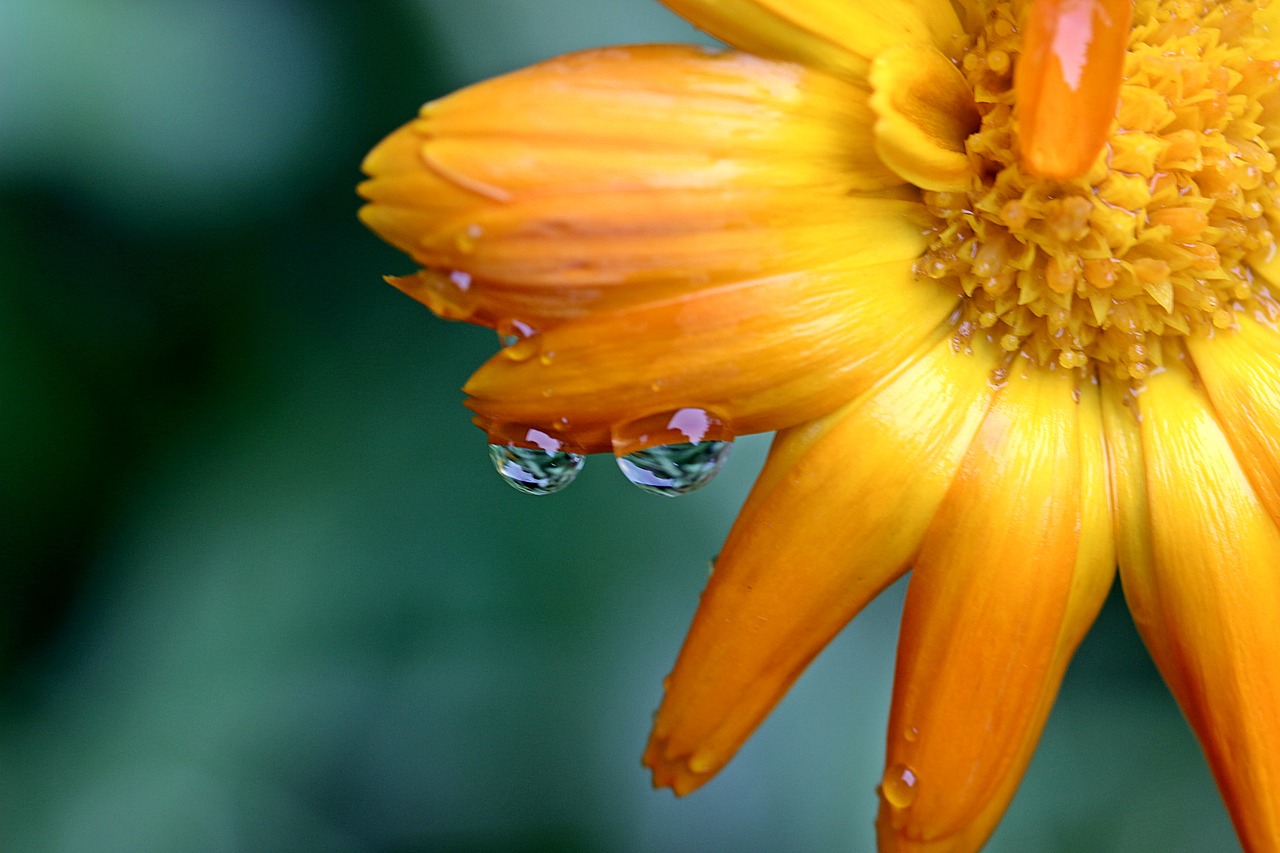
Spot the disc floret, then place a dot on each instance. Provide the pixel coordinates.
(1150, 245)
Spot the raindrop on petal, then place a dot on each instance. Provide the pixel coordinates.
(899, 786)
(511, 332)
(539, 470)
(675, 469)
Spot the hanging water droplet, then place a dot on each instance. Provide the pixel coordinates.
(689, 424)
(899, 786)
(675, 469)
(511, 331)
(540, 470)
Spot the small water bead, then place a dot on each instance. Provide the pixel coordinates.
(675, 469)
(465, 240)
(511, 332)
(519, 342)
(541, 470)
(899, 786)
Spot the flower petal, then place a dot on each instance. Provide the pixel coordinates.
(837, 37)
(1013, 570)
(1067, 82)
(1241, 372)
(625, 166)
(925, 112)
(837, 513)
(1203, 585)
(760, 355)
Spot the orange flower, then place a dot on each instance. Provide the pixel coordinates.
(999, 274)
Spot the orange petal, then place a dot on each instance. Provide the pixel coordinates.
(838, 511)
(1202, 582)
(1013, 570)
(838, 37)
(1241, 372)
(759, 355)
(614, 168)
(1067, 82)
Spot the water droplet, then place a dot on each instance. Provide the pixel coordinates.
(511, 332)
(465, 240)
(545, 358)
(675, 469)
(521, 349)
(911, 733)
(669, 427)
(539, 470)
(899, 786)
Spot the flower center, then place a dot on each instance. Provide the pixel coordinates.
(1153, 242)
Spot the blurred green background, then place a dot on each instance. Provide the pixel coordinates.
(262, 590)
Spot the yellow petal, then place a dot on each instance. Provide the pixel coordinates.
(1067, 82)
(1241, 372)
(1013, 570)
(626, 166)
(1202, 582)
(759, 355)
(925, 112)
(837, 37)
(836, 515)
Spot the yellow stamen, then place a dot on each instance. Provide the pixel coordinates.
(1150, 243)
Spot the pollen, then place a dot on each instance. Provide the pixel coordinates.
(1150, 245)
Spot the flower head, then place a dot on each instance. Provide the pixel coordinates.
(1001, 275)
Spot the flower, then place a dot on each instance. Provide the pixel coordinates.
(1000, 274)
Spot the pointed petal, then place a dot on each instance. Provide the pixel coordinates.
(1013, 570)
(837, 37)
(1067, 82)
(1203, 585)
(759, 355)
(1241, 372)
(624, 167)
(838, 511)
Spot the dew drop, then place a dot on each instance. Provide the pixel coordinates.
(899, 786)
(511, 332)
(675, 469)
(541, 470)
(911, 733)
(521, 349)
(465, 240)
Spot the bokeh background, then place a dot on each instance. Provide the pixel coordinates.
(262, 590)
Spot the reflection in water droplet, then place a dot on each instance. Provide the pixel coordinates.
(539, 470)
(675, 469)
(511, 332)
(465, 240)
(521, 349)
(899, 786)
(911, 733)
(690, 424)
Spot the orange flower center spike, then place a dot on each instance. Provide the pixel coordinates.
(1068, 81)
